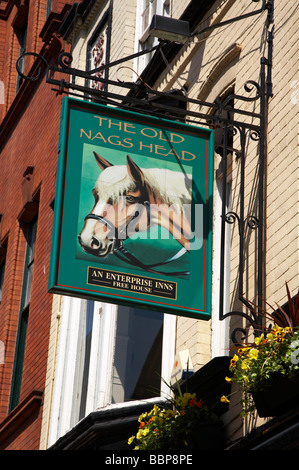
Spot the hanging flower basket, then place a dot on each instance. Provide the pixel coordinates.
(205, 436)
(277, 398)
(188, 425)
(267, 370)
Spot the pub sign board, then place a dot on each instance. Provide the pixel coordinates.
(133, 210)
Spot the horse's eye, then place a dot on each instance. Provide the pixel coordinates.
(130, 199)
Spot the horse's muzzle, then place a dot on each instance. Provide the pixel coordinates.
(97, 247)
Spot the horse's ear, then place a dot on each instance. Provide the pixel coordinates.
(101, 161)
(135, 172)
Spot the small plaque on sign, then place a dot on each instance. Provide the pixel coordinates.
(123, 281)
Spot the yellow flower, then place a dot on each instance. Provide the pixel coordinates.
(184, 400)
(224, 399)
(277, 330)
(259, 339)
(234, 360)
(245, 365)
(228, 379)
(279, 334)
(169, 413)
(270, 337)
(131, 439)
(143, 415)
(242, 351)
(253, 354)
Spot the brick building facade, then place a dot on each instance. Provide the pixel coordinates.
(77, 363)
(29, 135)
(214, 64)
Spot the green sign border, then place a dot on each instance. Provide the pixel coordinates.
(70, 274)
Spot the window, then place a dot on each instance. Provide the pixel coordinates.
(3, 248)
(97, 56)
(49, 7)
(107, 354)
(166, 8)
(149, 9)
(22, 37)
(2, 92)
(137, 357)
(24, 315)
(98, 49)
(2, 269)
(145, 11)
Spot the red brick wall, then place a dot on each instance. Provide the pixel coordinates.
(28, 137)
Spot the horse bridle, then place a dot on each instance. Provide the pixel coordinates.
(119, 250)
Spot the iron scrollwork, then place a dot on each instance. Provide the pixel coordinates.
(20, 68)
(251, 220)
(251, 315)
(248, 87)
(65, 59)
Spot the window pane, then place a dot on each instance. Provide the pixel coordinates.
(24, 312)
(19, 360)
(2, 269)
(28, 272)
(49, 8)
(86, 353)
(22, 42)
(138, 353)
(98, 53)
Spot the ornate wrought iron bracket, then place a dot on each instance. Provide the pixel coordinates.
(233, 120)
(65, 79)
(266, 5)
(249, 221)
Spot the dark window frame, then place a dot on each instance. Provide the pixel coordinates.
(2, 273)
(23, 314)
(21, 33)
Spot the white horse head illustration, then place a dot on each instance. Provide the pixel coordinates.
(129, 199)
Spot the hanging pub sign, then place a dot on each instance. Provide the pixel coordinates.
(133, 210)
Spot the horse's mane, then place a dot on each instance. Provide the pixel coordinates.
(169, 187)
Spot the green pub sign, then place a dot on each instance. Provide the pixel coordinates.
(133, 210)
